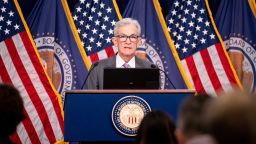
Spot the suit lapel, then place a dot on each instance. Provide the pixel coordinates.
(111, 62)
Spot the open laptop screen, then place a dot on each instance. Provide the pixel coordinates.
(131, 78)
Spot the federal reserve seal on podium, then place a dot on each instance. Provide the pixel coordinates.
(127, 114)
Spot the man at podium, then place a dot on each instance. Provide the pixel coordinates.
(127, 39)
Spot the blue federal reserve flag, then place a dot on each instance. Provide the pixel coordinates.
(157, 45)
(237, 26)
(58, 44)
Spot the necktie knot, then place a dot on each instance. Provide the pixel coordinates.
(126, 65)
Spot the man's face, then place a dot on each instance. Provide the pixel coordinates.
(127, 40)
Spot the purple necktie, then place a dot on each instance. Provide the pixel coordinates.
(126, 65)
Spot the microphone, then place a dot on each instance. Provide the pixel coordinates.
(92, 67)
(156, 67)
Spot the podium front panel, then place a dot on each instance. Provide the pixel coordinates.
(88, 113)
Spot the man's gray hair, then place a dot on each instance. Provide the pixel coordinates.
(127, 21)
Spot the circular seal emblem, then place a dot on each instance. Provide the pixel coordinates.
(127, 114)
(58, 62)
(243, 57)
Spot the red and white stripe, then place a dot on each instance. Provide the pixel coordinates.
(21, 67)
(209, 70)
(105, 53)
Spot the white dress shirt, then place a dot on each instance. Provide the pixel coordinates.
(120, 62)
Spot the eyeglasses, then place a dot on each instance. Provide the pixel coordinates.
(123, 38)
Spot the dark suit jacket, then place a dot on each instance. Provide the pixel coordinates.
(95, 78)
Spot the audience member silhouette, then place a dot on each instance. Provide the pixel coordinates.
(11, 112)
(190, 128)
(231, 118)
(156, 128)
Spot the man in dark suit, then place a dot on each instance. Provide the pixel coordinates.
(127, 39)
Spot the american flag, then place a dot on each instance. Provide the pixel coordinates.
(199, 48)
(20, 66)
(95, 20)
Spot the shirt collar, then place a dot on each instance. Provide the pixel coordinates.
(120, 62)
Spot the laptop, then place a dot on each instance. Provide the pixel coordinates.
(131, 78)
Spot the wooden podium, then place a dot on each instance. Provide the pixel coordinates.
(88, 113)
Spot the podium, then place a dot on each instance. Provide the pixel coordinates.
(88, 113)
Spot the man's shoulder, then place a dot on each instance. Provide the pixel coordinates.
(107, 61)
(142, 63)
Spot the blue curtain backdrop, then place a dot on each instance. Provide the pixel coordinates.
(27, 5)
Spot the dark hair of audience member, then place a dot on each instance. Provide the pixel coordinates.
(231, 118)
(11, 111)
(190, 115)
(156, 128)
